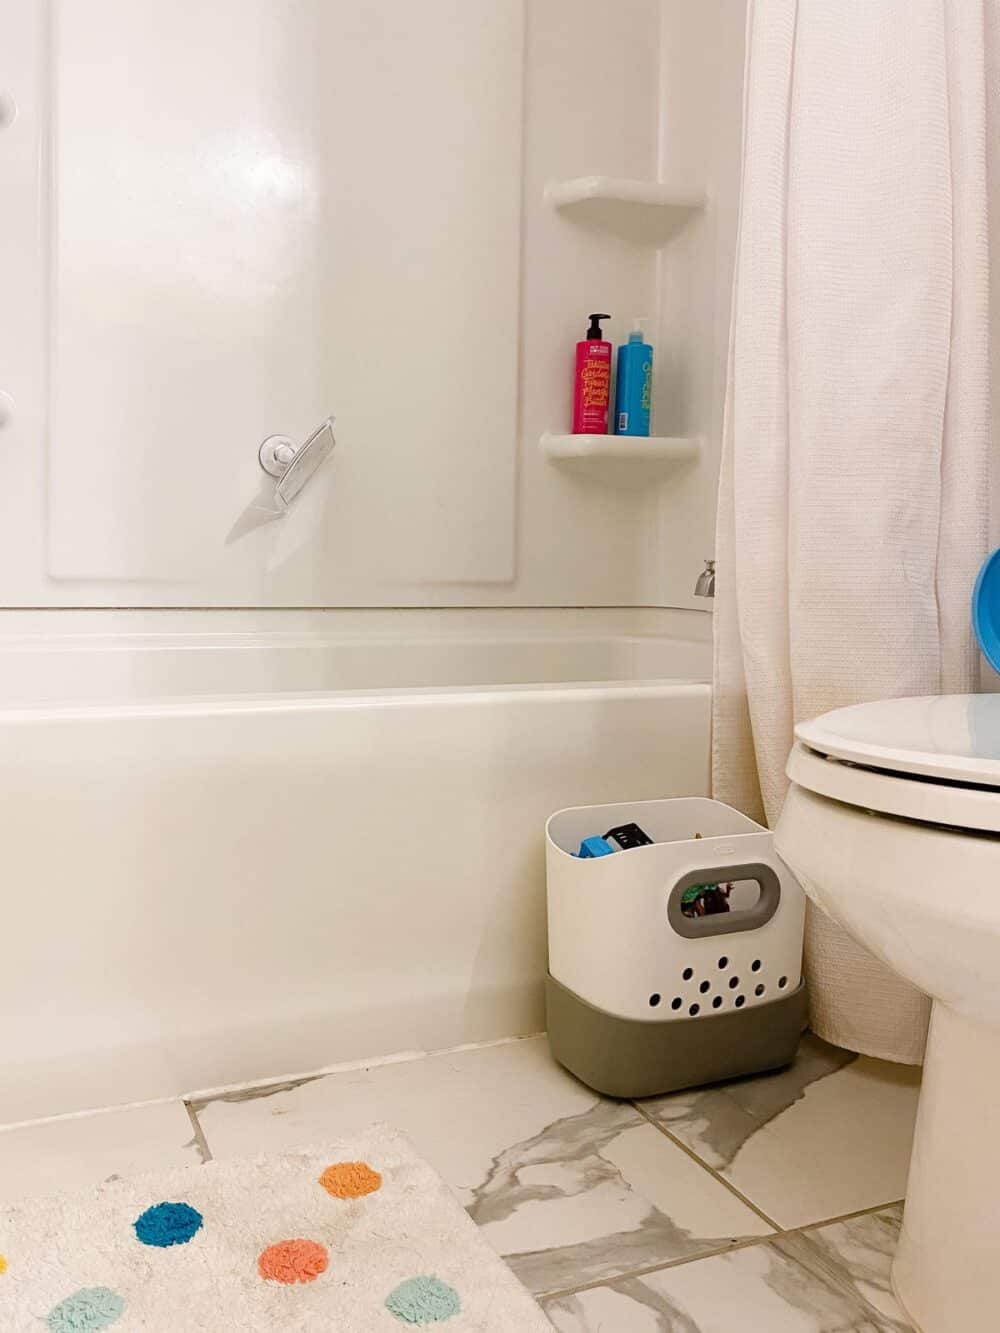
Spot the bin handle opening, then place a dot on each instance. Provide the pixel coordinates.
(725, 923)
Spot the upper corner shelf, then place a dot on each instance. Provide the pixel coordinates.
(622, 459)
(650, 212)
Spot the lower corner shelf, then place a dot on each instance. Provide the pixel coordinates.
(622, 456)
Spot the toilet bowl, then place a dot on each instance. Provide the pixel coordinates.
(892, 825)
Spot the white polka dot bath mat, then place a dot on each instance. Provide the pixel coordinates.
(354, 1237)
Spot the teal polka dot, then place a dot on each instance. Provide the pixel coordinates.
(168, 1224)
(423, 1300)
(86, 1310)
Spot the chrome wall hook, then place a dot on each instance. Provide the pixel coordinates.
(294, 467)
(276, 454)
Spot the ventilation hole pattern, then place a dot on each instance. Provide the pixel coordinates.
(732, 992)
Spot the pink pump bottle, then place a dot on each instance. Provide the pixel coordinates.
(592, 381)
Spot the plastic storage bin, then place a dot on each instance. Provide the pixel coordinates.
(644, 995)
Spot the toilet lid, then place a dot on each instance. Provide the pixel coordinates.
(949, 738)
(935, 760)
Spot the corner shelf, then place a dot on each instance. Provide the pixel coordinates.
(650, 212)
(622, 459)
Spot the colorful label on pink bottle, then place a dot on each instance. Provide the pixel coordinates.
(592, 388)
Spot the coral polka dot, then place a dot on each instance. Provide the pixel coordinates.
(293, 1261)
(350, 1180)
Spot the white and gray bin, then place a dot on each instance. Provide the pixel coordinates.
(644, 995)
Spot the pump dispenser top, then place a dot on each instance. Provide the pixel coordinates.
(595, 330)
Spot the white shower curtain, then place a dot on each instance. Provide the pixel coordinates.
(853, 506)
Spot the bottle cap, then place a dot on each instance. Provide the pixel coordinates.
(595, 330)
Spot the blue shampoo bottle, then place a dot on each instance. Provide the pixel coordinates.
(634, 390)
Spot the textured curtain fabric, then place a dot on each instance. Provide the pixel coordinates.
(854, 497)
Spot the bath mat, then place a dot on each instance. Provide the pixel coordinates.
(359, 1236)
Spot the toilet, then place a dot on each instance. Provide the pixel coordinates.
(892, 825)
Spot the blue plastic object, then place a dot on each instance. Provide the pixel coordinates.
(634, 388)
(986, 609)
(595, 847)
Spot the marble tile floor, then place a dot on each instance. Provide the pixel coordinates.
(768, 1205)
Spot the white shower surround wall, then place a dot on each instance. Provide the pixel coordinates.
(226, 861)
(303, 259)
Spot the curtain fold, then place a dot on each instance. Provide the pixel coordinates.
(854, 493)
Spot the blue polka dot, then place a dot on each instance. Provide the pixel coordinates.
(423, 1300)
(168, 1224)
(86, 1311)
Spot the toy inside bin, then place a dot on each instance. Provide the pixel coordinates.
(673, 963)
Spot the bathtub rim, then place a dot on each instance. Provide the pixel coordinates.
(308, 701)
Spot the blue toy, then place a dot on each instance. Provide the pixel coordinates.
(595, 847)
(986, 609)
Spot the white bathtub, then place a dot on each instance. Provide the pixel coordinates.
(229, 857)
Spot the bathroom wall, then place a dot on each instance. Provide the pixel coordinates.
(701, 106)
(226, 221)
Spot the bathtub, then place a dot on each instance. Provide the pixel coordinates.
(237, 856)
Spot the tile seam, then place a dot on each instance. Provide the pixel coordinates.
(751, 1242)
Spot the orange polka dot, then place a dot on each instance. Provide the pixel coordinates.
(293, 1261)
(3, 1265)
(350, 1180)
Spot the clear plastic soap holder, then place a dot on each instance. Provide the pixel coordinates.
(294, 467)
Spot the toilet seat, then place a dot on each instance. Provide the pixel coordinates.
(933, 760)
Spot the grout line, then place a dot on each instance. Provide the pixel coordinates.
(842, 1217)
(609, 1281)
(679, 1143)
(200, 1142)
(746, 1244)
